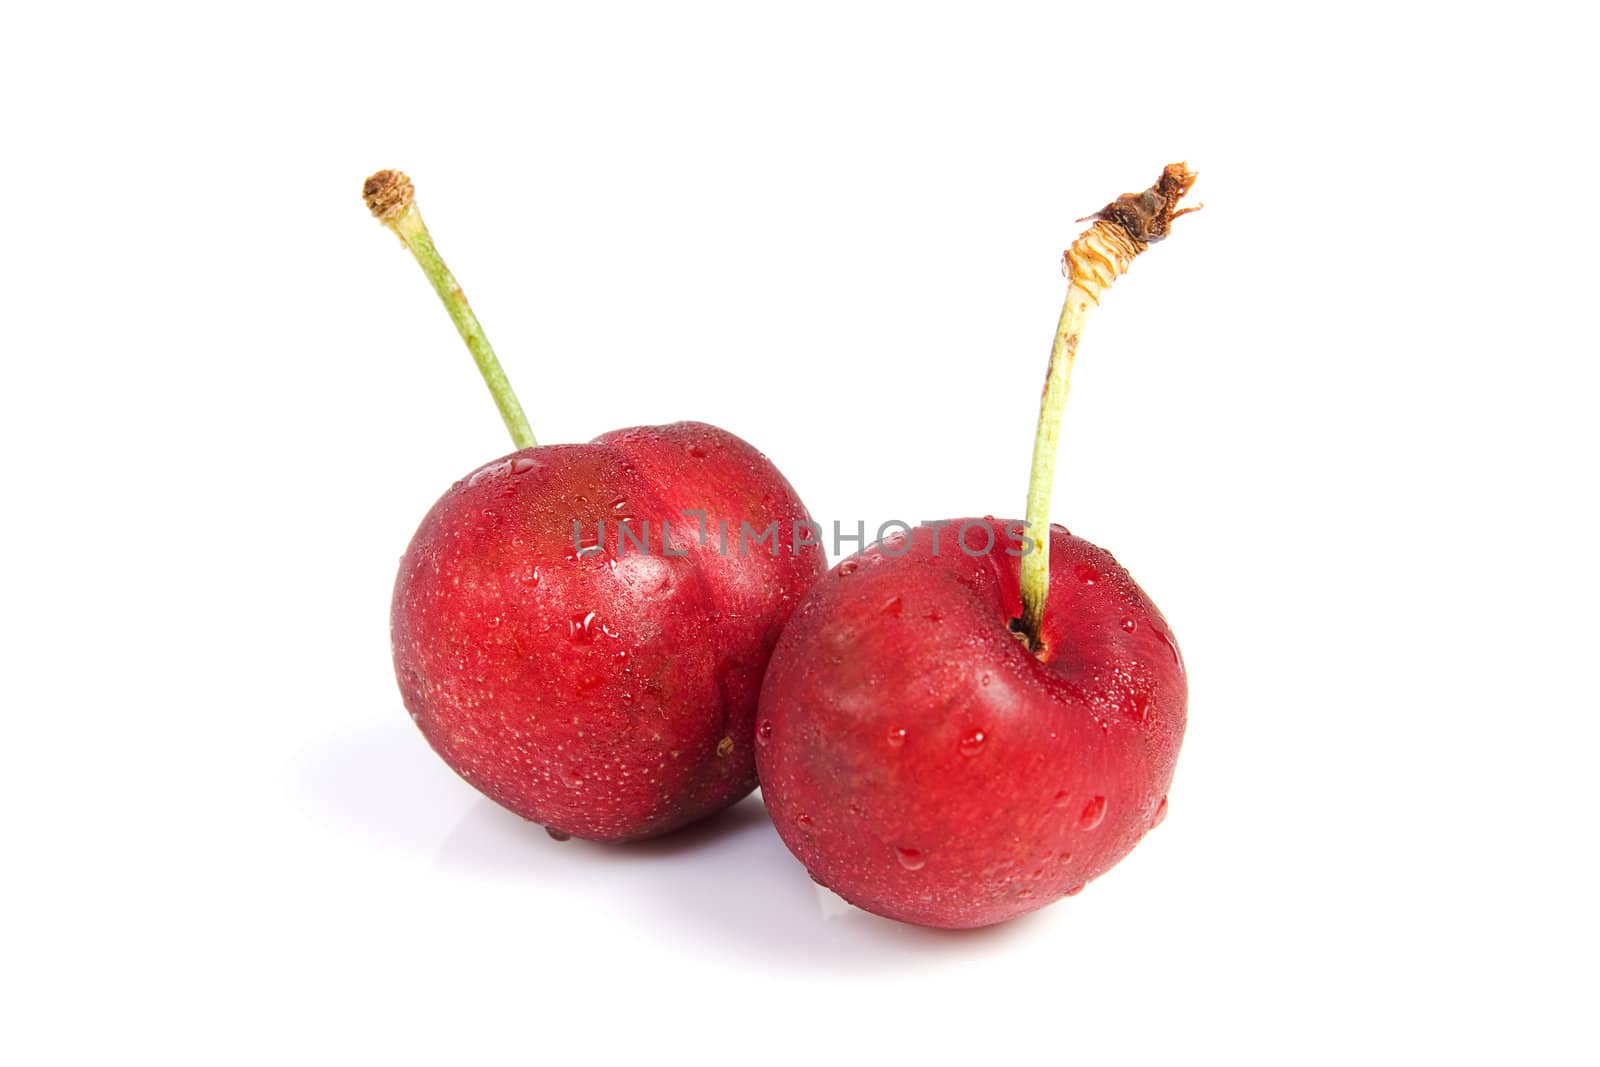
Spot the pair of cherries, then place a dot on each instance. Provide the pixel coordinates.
(945, 731)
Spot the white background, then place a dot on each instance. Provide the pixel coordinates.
(1340, 427)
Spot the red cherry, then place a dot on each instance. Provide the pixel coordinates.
(613, 697)
(1063, 769)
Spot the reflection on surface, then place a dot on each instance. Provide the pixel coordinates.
(726, 885)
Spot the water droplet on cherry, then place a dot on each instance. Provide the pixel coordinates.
(1170, 647)
(1129, 625)
(523, 464)
(557, 835)
(764, 731)
(911, 859)
(580, 628)
(484, 473)
(1063, 798)
(1085, 573)
(894, 606)
(897, 737)
(1160, 815)
(1094, 813)
(848, 567)
(972, 743)
(803, 820)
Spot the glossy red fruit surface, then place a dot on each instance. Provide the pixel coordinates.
(926, 766)
(608, 695)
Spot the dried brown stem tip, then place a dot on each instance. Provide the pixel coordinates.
(1147, 217)
(388, 193)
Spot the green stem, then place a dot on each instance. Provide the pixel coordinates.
(392, 203)
(1042, 474)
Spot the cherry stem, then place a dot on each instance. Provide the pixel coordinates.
(391, 200)
(1121, 230)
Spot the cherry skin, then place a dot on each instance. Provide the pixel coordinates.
(609, 695)
(927, 766)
